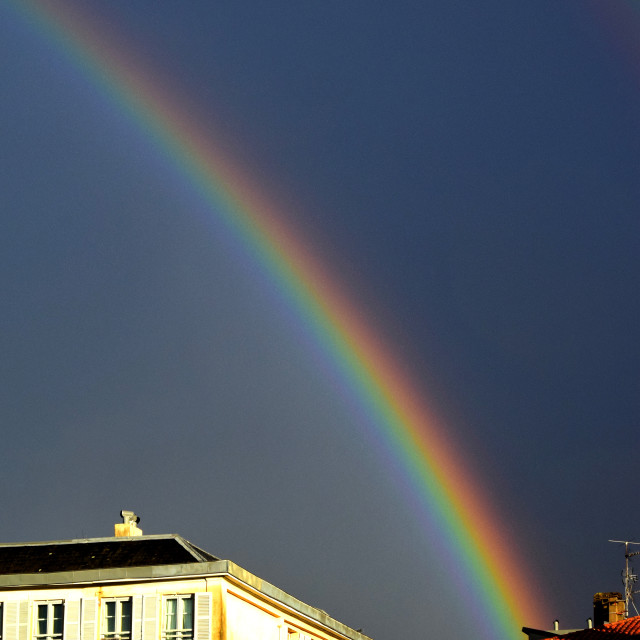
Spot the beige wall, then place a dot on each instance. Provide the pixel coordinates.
(226, 609)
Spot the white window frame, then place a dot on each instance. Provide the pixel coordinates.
(49, 635)
(119, 633)
(179, 633)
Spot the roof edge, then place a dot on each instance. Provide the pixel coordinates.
(42, 543)
(199, 554)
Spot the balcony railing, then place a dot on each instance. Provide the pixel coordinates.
(116, 635)
(177, 634)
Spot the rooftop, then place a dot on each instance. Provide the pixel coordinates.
(609, 631)
(98, 553)
(131, 557)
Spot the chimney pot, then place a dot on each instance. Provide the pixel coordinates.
(128, 528)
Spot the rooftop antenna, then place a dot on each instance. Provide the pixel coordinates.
(628, 577)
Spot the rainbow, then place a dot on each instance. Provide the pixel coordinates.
(619, 22)
(473, 537)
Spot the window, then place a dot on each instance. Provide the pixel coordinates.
(178, 618)
(117, 619)
(49, 621)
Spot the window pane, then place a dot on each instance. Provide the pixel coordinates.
(171, 620)
(126, 616)
(42, 619)
(57, 619)
(110, 616)
(187, 613)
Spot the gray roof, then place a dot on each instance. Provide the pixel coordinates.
(98, 553)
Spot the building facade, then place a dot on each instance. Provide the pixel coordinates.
(135, 587)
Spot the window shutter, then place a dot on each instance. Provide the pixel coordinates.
(72, 620)
(89, 627)
(11, 620)
(136, 618)
(16, 620)
(202, 628)
(23, 620)
(150, 618)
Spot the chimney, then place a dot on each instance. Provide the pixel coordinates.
(128, 528)
(608, 607)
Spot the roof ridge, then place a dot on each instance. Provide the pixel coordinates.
(200, 554)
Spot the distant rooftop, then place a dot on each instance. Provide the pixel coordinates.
(609, 631)
(98, 553)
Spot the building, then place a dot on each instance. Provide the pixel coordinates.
(608, 623)
(545, 634)
(621, 630)
(136, 587)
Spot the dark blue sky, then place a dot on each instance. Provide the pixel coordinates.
(472, 171)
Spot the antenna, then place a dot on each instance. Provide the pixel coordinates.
(628, 577)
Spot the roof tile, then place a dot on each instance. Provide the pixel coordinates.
(610, 631)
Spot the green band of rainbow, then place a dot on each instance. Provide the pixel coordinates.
(473, 535)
